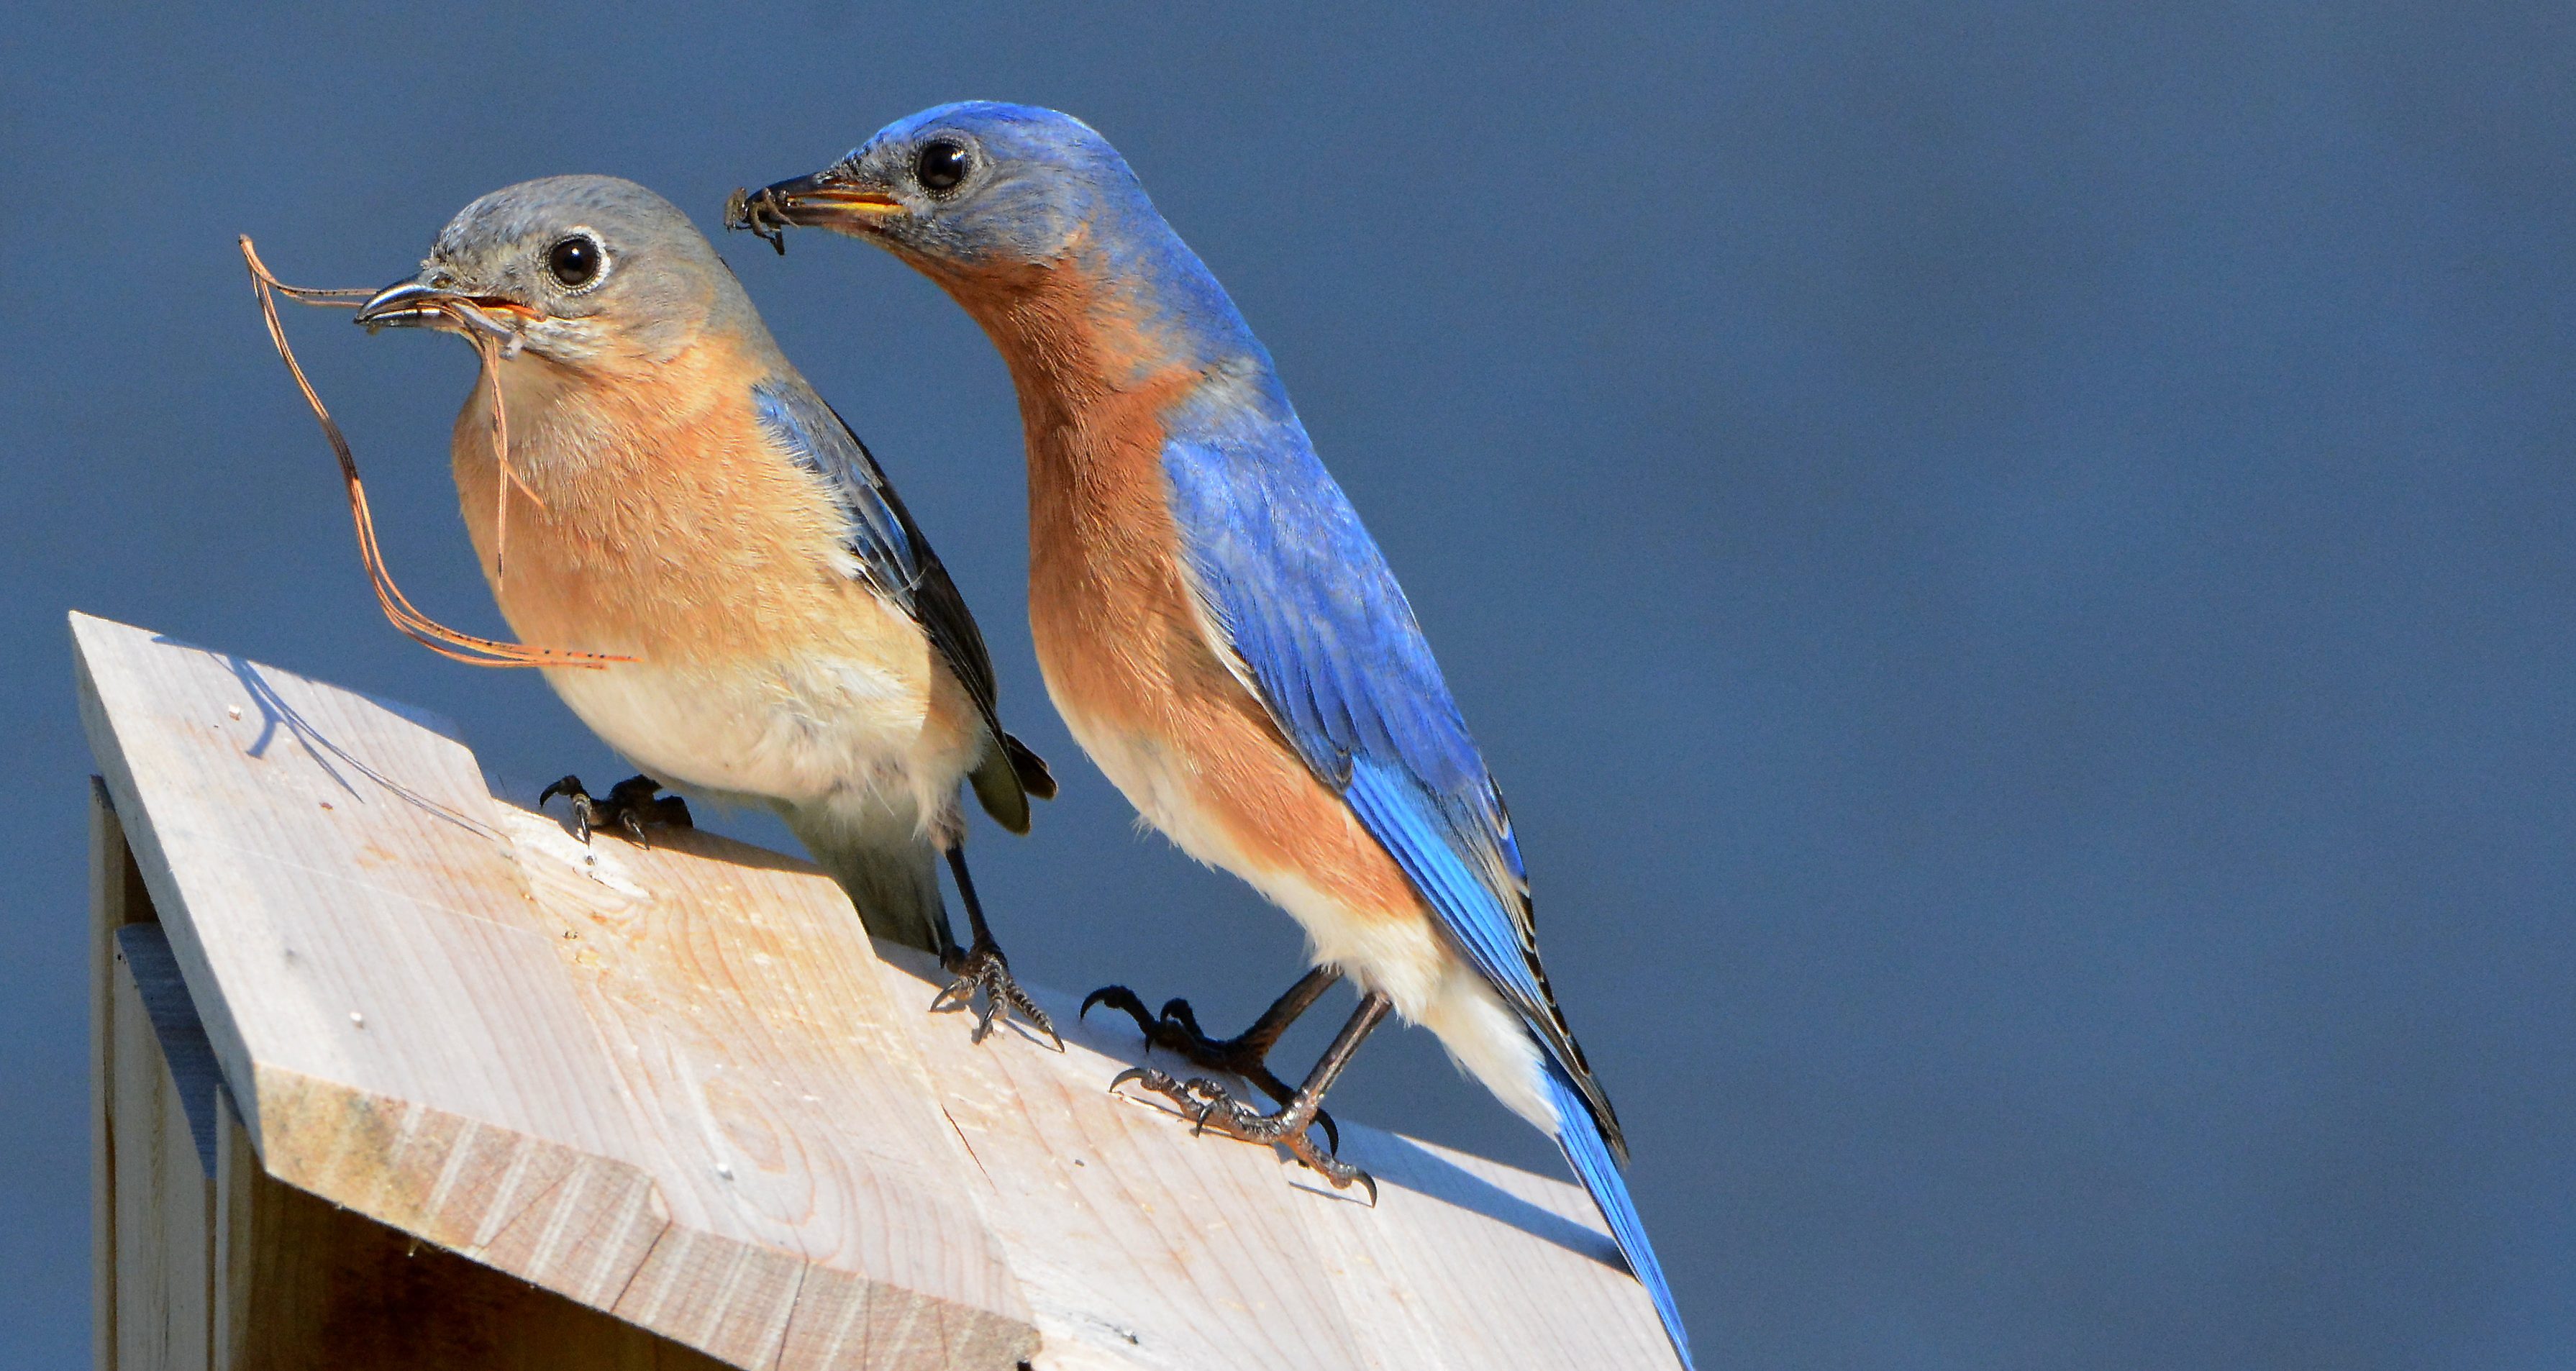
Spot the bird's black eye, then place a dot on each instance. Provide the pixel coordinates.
(940, 166)
(574, 261)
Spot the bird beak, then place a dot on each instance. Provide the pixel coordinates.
(829, 199)
(408, 304)
(418, 304)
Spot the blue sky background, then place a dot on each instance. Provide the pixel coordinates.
(2015, 561)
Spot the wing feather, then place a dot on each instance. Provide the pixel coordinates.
(897, 562)
(1306, 606)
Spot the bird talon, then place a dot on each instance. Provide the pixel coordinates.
(630, 805)
(1118, 997)
(982, 968)
(1246, 1055)
(1211, 1108)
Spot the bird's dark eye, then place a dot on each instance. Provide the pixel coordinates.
(574, 261)
(940, 166)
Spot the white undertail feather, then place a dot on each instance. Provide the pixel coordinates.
(883, 857)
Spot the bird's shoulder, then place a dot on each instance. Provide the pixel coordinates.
(888, 550)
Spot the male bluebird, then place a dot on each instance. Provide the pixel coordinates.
(678, 495)
(1217, 628)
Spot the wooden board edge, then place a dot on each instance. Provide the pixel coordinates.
(134, 819)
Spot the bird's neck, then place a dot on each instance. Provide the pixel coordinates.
(571, 425)
(1119, 312)
(1100, 371)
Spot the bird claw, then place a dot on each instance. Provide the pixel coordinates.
(630, 805)
(1177, 1030)
(983, 968)
(1213, 1109)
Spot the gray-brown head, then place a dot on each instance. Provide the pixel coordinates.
(580, 270)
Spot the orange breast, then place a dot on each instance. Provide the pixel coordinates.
(663, 527)
(1116, 629)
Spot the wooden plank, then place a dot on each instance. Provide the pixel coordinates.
(1139, 1245)
(406, 1035)
(679, 1084)
(304, 1285)
(1469, 1264)
(1142, 1245)
(234, 1263)
(163, 1199)
(115, 899)
(746, 1014)
(144, 951)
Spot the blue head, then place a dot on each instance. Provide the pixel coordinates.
(991, 200)
(966, 186)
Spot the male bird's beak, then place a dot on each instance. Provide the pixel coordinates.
(828, 199)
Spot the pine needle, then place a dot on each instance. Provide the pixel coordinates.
(398, 609)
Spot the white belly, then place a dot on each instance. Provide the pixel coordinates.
(799, 734)
(1428, 983)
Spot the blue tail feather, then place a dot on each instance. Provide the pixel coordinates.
(1590, 1155)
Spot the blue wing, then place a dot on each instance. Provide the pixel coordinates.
(1317, 622)
(1324, 636)
(896, 561)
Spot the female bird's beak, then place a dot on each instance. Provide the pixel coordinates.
(407, 304)
(418, 304)
(829, 199)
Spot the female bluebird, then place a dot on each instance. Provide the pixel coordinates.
(678, 495)
(1217, 628)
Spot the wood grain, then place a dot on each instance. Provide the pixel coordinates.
(163, 1198)
(304, 1285)
(677, 1089)
(408, 1034)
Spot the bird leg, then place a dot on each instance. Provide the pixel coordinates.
(631, 804)
(1217, 1110)
(982, 966)
(1247, 1053)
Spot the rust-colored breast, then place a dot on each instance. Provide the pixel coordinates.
(1126, 653)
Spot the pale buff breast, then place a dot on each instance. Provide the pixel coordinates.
(662, 527)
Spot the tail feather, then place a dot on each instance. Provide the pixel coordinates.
(1008, 777)
(1032, 768)
(1588, 1150)
(999, 789)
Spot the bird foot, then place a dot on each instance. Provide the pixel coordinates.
(982, 969)
(1216, 1110)
(1177, 1031)
(630, 805)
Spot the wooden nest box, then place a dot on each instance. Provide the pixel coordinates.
(393, 1073)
